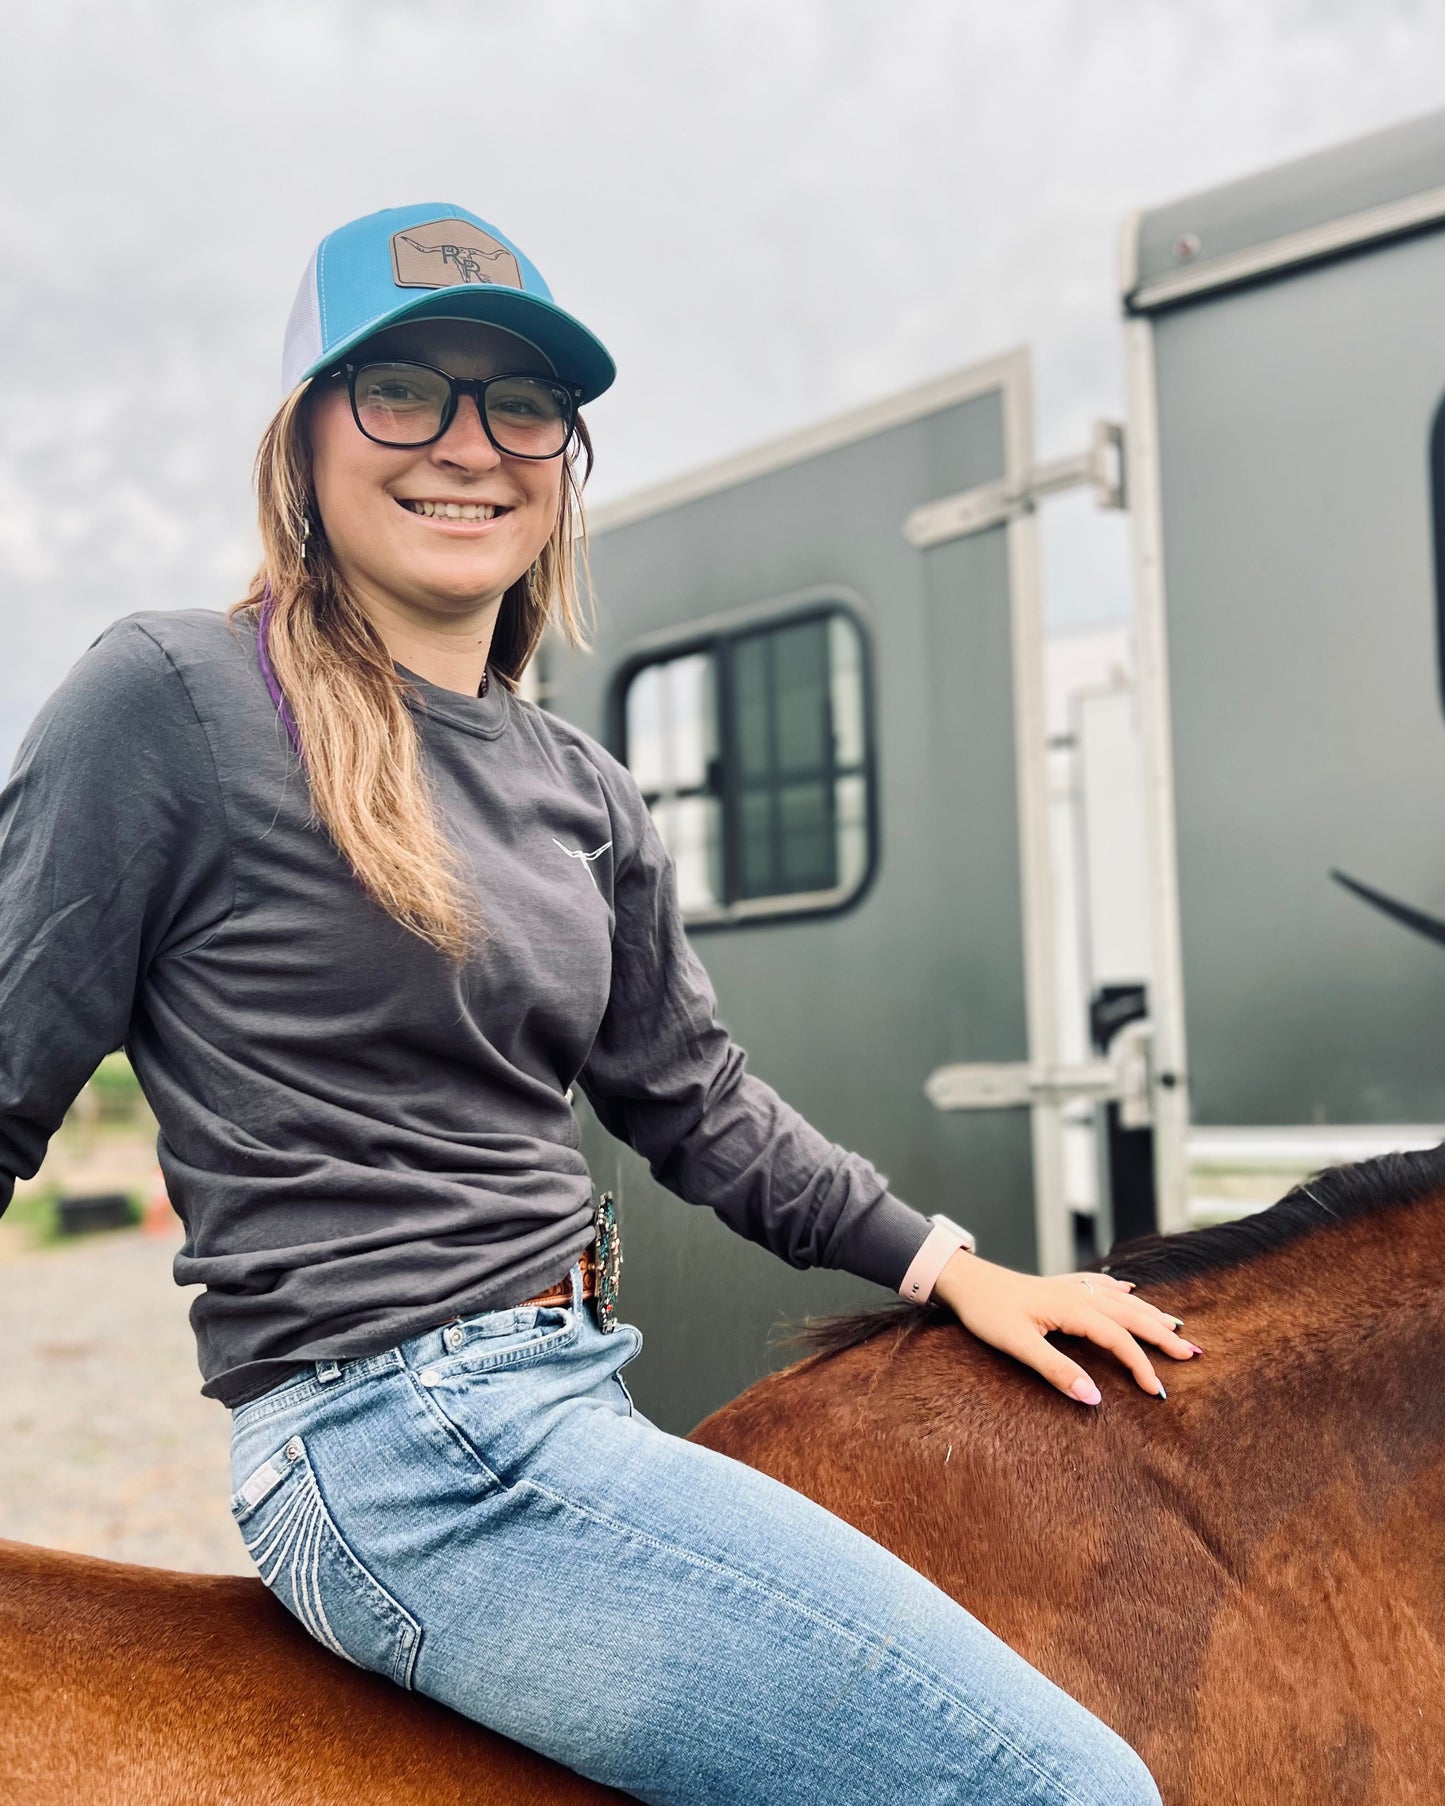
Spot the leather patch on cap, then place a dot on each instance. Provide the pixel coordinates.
(446, 252)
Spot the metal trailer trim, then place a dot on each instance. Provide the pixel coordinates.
(991, 504)
(1122, 1078)
(1292, 1146)
(1052, 1225)
(777, 454)
(1275, 257)
(1166, 966)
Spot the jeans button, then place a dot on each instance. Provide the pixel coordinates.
(293, 1449)
(453, 1337)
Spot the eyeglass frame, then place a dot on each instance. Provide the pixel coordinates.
(476, 387)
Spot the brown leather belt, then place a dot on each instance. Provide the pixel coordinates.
(561, 1293)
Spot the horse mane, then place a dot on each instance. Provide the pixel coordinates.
(1335, 1194)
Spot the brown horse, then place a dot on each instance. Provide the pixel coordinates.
(1246, 1580)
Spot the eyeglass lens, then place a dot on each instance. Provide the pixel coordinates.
(405, 404)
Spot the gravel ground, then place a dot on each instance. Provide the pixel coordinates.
(106, 1445)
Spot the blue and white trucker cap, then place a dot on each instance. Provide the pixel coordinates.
(408, 263)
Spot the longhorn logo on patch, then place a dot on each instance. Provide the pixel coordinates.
(446, 252)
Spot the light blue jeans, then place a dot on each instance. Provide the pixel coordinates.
(481, 1514)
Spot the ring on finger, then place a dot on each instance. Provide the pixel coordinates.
(1088, 1285)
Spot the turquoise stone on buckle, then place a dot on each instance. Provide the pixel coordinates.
(608, 1249)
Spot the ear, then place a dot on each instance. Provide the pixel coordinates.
(581, 442)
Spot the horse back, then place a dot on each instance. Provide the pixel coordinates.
(134, 1686)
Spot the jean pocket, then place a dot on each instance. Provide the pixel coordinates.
(632, 1330)
(306, 1562)
(507, 1338)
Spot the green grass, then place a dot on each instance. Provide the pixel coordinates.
(34, 1214)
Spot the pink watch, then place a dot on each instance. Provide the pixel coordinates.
(939, 1246)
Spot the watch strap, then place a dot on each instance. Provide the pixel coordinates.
(941, 1243)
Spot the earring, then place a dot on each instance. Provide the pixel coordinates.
(303, 529)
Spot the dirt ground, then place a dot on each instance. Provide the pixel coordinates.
(106, 1445)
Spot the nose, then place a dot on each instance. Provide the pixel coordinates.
(465, 445)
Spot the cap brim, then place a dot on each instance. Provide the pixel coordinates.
(578, 356)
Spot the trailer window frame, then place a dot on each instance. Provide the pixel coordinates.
(1437, 521)
(720, 639)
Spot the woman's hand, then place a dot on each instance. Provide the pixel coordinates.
(1015, 1311)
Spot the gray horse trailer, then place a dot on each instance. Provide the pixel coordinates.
(1286, 464)
(822, 661)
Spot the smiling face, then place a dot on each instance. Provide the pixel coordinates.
(381, 506)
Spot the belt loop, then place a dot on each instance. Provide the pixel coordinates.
(574, 1274)
(328, 1370)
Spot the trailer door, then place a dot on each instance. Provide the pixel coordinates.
(1288, 474)
(827, 720)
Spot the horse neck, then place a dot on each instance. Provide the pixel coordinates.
(1328, 1282)
(1330, 1347)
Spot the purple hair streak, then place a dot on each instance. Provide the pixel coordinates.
(262, 630)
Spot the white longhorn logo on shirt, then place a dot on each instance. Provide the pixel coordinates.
(586, 858)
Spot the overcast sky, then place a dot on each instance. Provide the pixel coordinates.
(770, 211)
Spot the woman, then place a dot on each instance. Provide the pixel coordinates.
(361, 917)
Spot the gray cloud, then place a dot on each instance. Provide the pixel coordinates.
(770, 213)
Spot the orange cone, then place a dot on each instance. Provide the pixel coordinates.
(159, 1217)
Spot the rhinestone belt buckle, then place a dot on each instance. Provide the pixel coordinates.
(609, 1261)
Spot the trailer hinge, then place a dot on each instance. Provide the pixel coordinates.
(1125, 1078)
(1101, 467)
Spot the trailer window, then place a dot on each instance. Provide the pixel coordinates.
(672, 749)
(752, 752)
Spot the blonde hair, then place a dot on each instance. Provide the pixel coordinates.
(357, 738)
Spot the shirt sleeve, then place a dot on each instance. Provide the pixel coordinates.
(667, 1078)
(105, 857)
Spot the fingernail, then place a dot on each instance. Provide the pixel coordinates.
(1194, 1345)
(1163, 1393)
(1085, 1390)
(1178, 1323)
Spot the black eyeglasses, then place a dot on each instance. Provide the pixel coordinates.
(406, 404)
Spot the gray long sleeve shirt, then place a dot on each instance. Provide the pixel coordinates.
(361, 1138)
